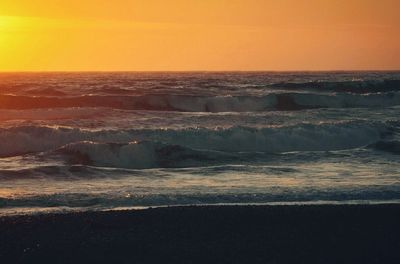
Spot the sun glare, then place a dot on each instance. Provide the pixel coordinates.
(4, 21)
(8, 26)
(199, 35)
(25, 40)
(10, 23)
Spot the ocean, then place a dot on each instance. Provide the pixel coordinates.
(103, 141)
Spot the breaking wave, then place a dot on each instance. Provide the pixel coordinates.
(140, 155)
(391, 146)
(188, 103)
(305, 137)
(359, 87)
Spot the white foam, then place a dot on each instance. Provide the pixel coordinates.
(305, 137)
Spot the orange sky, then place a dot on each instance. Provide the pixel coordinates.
(63, 35)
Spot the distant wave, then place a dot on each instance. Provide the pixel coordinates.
(306, 137)
(46, 92)
(187, 103)
(359, 87)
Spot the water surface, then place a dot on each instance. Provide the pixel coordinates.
(93, 141)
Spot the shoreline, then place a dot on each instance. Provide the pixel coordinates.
(32, 211)
(359, 233)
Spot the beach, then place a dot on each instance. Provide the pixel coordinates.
(207, 234)
(185, 132)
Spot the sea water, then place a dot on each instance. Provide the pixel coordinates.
(99, 141)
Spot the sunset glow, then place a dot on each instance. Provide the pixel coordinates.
(173, 35)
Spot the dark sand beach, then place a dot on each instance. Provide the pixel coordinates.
(207, 234)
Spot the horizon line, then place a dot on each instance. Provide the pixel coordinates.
(186, 71)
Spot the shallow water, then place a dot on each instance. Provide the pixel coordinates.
(112, 140)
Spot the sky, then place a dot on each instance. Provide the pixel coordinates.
(191, 35)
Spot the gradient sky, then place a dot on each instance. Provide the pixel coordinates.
(63, 35)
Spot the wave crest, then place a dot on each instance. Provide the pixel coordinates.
(303, 137)
(359, 87)
(139, 155)
(187, 103)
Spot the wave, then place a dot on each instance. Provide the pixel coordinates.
(391, 146)
(140, 155)
(187, 103)
(46, 92)
(269, 195)
(52, 114)
(305, 137)
(55, 171)
(359, 87)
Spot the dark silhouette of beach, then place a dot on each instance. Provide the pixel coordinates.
(207, 234)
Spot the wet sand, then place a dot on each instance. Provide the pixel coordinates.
(207, 234)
